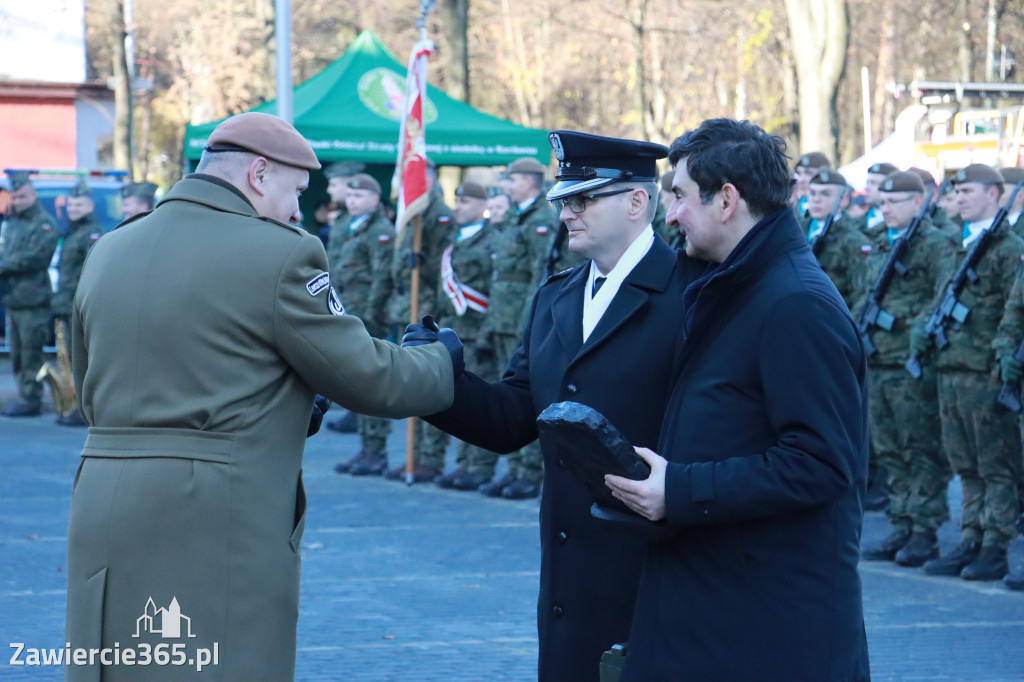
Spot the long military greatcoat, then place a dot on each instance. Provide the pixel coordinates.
(201, 333)
(589, 569)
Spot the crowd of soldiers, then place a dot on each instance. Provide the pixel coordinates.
(931, 273)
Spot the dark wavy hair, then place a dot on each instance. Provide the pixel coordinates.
(723, 150)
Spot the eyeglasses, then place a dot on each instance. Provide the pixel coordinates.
(893, 202)
(577, 203)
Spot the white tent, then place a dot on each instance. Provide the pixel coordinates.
(897, 149)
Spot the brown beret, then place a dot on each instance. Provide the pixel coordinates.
(526, 165)
(813, 160)
(364, 181)
(471, 189)
(978, 172)
(926, 178)
(19, 179)
(828, 177)
(902, 181)
(80, 189)
(265, 135)
(1013, 175)
(144, 190)
(344, 169)
(882, 169)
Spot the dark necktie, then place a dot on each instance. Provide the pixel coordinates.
(598, 281)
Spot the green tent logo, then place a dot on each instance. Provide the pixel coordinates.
(382, 91)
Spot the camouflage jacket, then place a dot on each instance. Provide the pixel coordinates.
(337, 234)
(391, 288)
(364, 255)
(971, 345)
(82, 234)
(29, 240)
(843, 255)
(907, 296)
(472, 267)
(537, 227)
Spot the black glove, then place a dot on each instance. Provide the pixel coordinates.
(427, 332)
(1010, 369)
(414, 258)
(320, 407)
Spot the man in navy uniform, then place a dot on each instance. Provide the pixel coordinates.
(582, 342)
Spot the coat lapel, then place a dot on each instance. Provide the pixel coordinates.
(567, 311)
(652, 274)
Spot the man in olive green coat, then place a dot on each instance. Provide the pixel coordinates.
(30, 238)
(202, 331)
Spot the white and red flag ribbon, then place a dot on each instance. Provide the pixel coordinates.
(411, 168)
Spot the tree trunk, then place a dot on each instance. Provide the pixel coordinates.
(639, 14)
(122, 93)
(454, 23)
(819, 34)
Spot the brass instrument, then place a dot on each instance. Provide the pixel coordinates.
(58, 377)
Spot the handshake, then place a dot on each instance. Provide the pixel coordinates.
(427, 331)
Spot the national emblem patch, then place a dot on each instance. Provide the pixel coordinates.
(334, 303)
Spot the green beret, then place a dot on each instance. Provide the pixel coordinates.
(813, 160)
(902, 181)
(882, 169)
(495, 191)
(828, 177)
(143, 190)
(19, 179)
(364, 181)
(344, 169)
(471, 189)
(926, 178)
(80, 189)
(526, 165)
(978, 172)
(1011, 176)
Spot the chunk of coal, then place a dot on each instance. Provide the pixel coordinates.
(590, 446)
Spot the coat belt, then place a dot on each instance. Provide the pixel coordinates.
(132, 442)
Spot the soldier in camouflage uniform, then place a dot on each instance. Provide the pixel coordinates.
(83, 232)
(390, 292)
(466, 284)
(981, 440)
(807, 166)
(845, 249)
(872, 223)
(136, 198)
(1011, 176)
(338, 174)
(521, 257)
(29, 240)
(364, 254)
(671, 235)
(499, 209)
(937, 216)
(903, 412)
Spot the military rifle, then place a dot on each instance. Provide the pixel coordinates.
(556, 250)
(873, 314)
(1009, 396)
(818, 242)
(951, 312)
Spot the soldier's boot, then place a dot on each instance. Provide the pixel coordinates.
(520, 489)
(370, 464)
(954, 562)
(922, 546)
(346, 466)
(22, 409)
(887, 549)
(494, 488)
(1015, 580)
(74, 418)
(420, 473)
(990, 564)
(346, 423)
(468, 480)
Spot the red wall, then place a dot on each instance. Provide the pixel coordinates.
(39, 133)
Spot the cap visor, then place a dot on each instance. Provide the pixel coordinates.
(565, 188)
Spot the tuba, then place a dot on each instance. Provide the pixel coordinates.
(58, 377)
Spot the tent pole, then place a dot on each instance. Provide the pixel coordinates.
(283, 50)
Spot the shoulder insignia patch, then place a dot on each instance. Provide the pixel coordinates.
(1022, 258)
(542, 229)
(444, 220)
(866, 248)
(46, 227)
(95, 235)
(334, 303)
(318, 283)
(383, 239)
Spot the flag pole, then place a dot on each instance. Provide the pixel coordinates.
(422, 48)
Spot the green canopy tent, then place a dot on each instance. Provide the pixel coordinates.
(351, 110)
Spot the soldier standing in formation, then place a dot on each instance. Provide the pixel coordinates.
(364, 254)
(807, 166)
(520, 257)
(137, 197)
(983, 443)
(1011, 176)
(466, 284)
(390, 291)
(843, 251)
(30, 238)
(83, 232)
(904, 412)
(877, 172)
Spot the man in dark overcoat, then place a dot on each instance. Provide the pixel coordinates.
(763, 451)
(202, 331)
(603, 334)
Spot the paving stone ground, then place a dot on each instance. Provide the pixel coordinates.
(419, 584)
